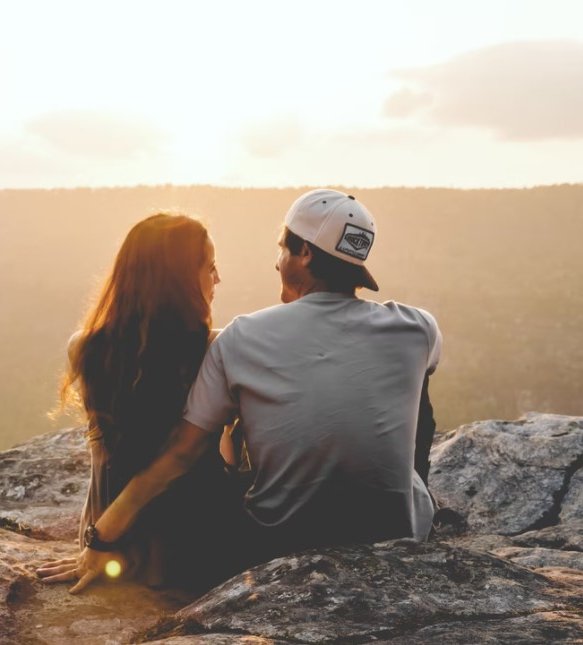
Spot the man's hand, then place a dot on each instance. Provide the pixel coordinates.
(85, 568)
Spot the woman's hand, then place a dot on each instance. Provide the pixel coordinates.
(187, 443)
(85, 568)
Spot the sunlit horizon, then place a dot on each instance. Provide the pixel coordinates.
(306, 186)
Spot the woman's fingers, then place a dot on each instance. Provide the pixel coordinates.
(65, 576)
(51, 571)
(85, 568)
(85, 580)
(56, 563)
(58, 566)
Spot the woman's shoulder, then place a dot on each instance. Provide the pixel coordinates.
(94, 343)
(73, 343)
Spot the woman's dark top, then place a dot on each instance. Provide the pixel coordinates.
(133, 424)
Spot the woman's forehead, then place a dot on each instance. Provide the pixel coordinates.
(210, 248)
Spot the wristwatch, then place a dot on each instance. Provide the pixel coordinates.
(92, 541)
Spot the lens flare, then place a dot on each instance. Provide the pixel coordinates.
(113, 568)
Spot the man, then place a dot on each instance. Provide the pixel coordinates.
(328, 388)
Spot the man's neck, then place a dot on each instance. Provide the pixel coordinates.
(320, 287)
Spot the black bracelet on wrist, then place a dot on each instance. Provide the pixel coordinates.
(92, 540)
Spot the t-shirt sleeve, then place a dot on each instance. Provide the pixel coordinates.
(434, 340)
(210, 403)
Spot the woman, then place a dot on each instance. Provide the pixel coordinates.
(132, 365)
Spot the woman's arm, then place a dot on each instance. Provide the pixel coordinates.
(187, 444)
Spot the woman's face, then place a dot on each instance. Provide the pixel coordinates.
(209, 275)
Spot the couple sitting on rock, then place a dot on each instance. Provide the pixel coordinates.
(303, 424)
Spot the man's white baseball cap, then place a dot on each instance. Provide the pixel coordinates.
(338, 224)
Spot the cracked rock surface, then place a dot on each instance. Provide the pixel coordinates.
(358, 594)
(505, 566)
(509, 477)
(535, 629)
(566, 536)
(43, 484)
(571, 508)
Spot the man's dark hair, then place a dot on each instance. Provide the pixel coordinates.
(337, 274)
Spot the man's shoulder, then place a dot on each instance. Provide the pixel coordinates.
(411, 313)
(408, 316)
(424, 321)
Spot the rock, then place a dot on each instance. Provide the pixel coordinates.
(217, 639)
(568, 536)
(43, 484)
(505, 566)
(488, 543)
(33, 612)
(542, 628)
(564, 576)
(365, 593)
(572, 506)
(555, 546)
(509, 477)
(539, 557)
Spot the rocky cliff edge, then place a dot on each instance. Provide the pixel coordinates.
(505, 564)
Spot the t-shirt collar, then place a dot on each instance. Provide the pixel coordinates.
(326, 296)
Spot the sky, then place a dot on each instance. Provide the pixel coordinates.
(456, 93)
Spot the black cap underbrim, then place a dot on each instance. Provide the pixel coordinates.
(367, 280)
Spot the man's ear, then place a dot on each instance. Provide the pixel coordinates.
(306, 254)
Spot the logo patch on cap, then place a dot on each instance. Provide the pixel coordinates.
(355, 241)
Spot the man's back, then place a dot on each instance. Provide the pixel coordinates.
(328, 390)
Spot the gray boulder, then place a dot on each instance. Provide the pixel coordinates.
(542, 628)
(565, 536)
(362, 594)
(572, 505)
(43, 484)
(509, 477)
(505, 565)
(538, 557)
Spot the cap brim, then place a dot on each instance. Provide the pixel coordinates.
(368, 281)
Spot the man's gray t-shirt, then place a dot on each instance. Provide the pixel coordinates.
(327, 387)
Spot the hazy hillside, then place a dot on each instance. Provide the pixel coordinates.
(501, 270)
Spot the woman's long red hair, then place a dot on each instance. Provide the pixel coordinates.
(149, 305)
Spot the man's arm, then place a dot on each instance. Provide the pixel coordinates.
(188, 442)
(425, 421)
(425, 432)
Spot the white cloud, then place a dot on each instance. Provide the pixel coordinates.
(96, 134)
(272, 138)
(406, 101)
(520, 91)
